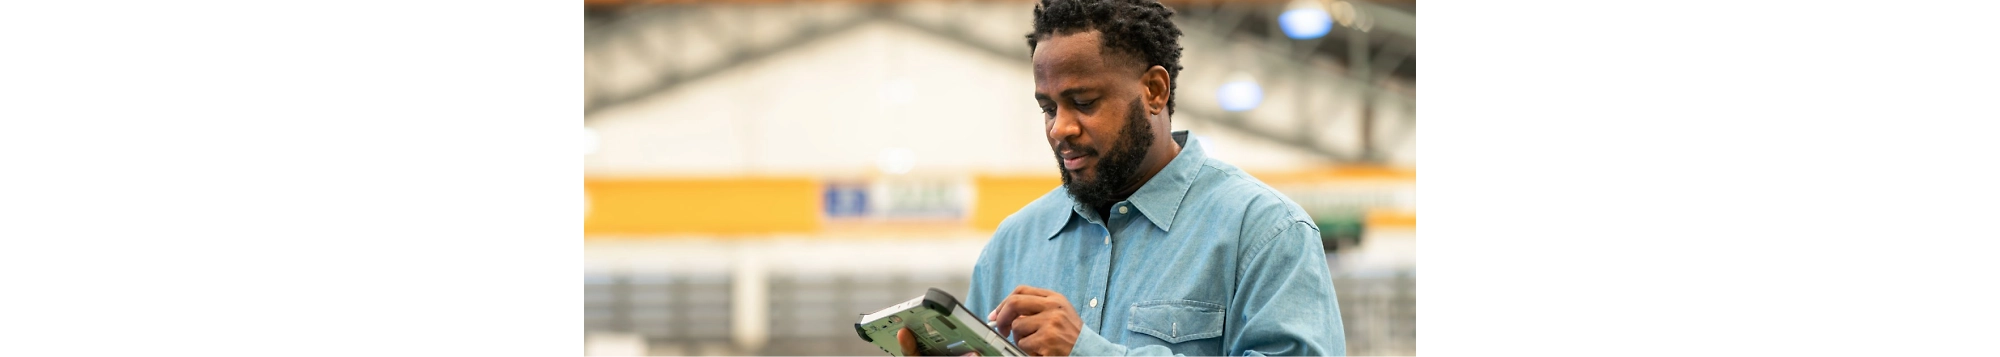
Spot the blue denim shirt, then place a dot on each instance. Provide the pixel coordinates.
(1201, 260)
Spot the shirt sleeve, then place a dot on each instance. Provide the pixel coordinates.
(980, 295)
(1284, 304)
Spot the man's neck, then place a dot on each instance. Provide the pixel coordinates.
(1162, 153)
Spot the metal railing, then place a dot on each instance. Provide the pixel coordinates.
(690, 314)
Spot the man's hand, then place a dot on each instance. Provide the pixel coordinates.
(1042, 321)
(909, 341)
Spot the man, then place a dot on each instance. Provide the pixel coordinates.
(1149, 247)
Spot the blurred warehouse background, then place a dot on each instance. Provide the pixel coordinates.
(760, 173)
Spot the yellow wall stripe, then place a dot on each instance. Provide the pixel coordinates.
(765, 205)
(995, 197)
(702, 206)
(1379, 218)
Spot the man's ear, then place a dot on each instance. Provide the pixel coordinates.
(1157, 85)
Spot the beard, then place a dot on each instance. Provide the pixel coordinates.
(1115, 170)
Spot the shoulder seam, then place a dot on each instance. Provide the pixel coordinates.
(1299, 215)
(1258, 247)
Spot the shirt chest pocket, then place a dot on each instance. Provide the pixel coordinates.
(1176, 321)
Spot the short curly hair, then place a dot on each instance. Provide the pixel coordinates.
(1140, 28)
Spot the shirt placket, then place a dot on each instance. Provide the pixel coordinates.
(1100, 282)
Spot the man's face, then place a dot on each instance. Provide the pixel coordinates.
(1091, 106)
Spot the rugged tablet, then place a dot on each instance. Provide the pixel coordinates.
(941, 325)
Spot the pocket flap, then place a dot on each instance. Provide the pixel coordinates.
(1176, 321)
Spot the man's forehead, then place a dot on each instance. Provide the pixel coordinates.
(1069, 54)
(1061, 60)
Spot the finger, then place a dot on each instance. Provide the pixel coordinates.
(1023, 305)
(1032, 291)
(995, 315)
(1037, 346)
(1018, 290)
(1026, 326)
(1016, 306)
(1002, 317)
(908, 340)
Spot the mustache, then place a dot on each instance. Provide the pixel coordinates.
(1067, 146)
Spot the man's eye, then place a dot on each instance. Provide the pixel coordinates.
(1085, 103)
(1048, 111)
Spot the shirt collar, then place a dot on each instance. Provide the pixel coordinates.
(1160, 198)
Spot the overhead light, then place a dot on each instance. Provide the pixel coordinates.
(1305, 20)
(1239, 93)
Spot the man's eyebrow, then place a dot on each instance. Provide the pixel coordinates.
(1065, 93)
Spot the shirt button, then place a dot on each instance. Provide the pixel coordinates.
(1093, 302)
(1121, 209)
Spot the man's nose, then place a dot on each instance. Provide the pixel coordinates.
(1064, 126)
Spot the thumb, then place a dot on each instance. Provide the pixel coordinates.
(908, 340)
